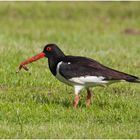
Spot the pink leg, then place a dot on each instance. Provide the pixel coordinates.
(75, 103)
(88, 99)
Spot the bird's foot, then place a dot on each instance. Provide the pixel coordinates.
(88, 101)
(76, 100)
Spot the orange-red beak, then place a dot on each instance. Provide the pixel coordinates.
(30, 60)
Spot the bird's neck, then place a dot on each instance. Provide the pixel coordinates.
(53, 61)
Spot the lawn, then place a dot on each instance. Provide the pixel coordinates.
(35, 104)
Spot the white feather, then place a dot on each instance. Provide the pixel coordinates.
(78, 88)
(89, 80)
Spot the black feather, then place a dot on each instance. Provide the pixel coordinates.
(133, 80)
(81, 66)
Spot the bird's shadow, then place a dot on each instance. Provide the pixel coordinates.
(52, 100)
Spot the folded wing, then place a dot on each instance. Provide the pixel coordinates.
(81, 66)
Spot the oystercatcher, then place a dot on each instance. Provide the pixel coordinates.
(79, 72)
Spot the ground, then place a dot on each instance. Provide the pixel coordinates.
(35, 104)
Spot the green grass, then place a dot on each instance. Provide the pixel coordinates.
(37, 105)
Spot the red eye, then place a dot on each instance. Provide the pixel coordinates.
(49, 49)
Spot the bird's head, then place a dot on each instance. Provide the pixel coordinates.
(50, 50)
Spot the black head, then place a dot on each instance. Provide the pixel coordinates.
(52, 50)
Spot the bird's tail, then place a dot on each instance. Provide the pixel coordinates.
(133, 79)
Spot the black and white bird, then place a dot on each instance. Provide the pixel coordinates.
(79, 72)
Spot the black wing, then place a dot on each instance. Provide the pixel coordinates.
(80, 66)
